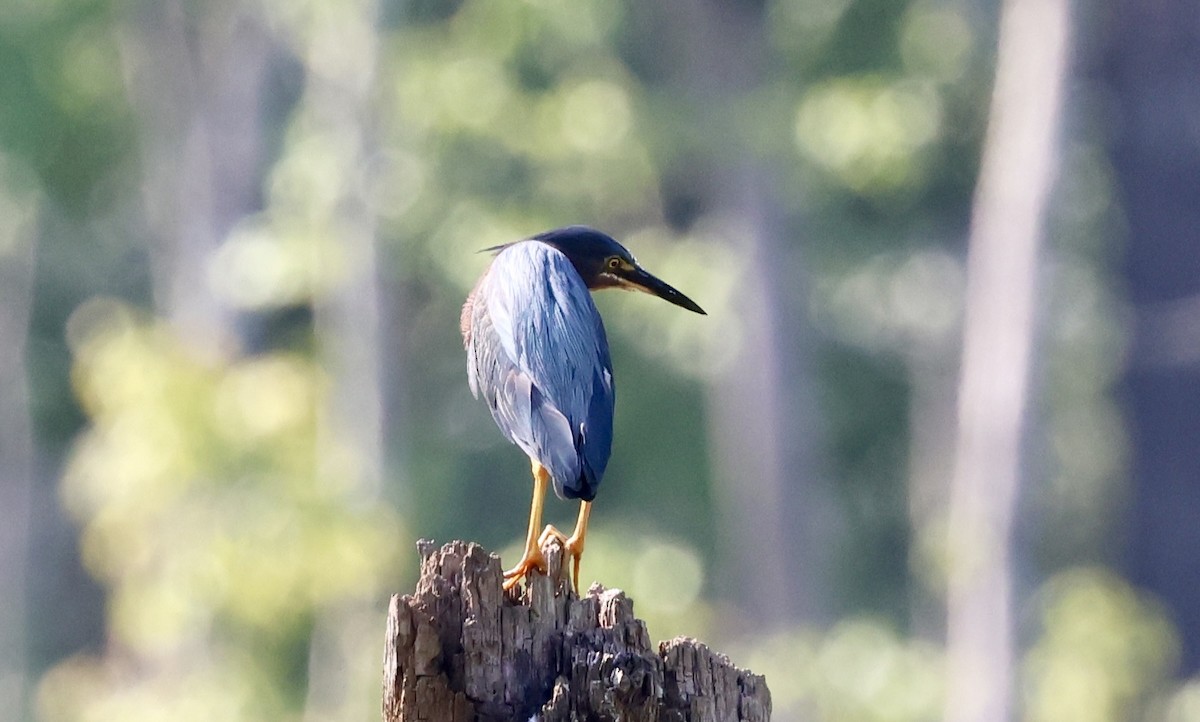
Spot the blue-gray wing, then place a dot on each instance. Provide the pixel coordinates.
(537, 353)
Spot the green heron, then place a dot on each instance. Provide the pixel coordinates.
(537, 353)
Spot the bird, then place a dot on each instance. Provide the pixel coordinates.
(537, 353)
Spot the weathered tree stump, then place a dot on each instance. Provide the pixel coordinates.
(461, 649)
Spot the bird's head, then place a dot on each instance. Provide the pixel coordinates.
(604, 263)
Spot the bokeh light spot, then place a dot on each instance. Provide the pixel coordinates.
(472, 91)
(254, 269)
(595, 116)
(667, 577)
(935, 42)
(867, 132)
(1102, 646)
(264, 397)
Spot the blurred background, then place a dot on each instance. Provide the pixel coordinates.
(235, 237)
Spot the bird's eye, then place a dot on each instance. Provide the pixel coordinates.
(614, 263)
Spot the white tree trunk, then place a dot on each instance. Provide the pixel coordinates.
(1018, 169)
(195, 79)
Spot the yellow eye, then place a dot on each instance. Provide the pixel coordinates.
(614, 263)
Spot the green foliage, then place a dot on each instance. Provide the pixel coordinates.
(64, 111)
(1103, 651)
(859, 670)
(220, 522)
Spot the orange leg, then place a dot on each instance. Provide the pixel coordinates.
(574, 545)
(532, 558)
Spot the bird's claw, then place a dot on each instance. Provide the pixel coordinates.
(551, 532)
(572, 547)
(535, 560)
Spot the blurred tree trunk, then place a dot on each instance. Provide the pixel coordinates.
(931, 424)
(195, 74)
(1016, 175)
(773, 509)
(338, 45)
(1153, 67)
(338, 107)
(18, 232)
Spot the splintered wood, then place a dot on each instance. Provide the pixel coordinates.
(461, 649)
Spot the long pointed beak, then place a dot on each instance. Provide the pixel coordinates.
(639, 280)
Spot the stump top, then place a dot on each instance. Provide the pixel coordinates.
(460, 648)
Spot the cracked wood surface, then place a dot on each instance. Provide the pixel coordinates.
(461, 649)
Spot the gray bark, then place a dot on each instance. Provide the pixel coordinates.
(461, 648)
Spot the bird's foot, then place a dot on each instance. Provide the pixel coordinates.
(532, 560)
(551, 532)
(573, 546)
(535, 560)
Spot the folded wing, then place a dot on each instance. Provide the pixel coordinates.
(537, 353)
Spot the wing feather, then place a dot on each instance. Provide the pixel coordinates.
(538, 355)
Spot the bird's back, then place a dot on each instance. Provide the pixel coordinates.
(537, 353)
